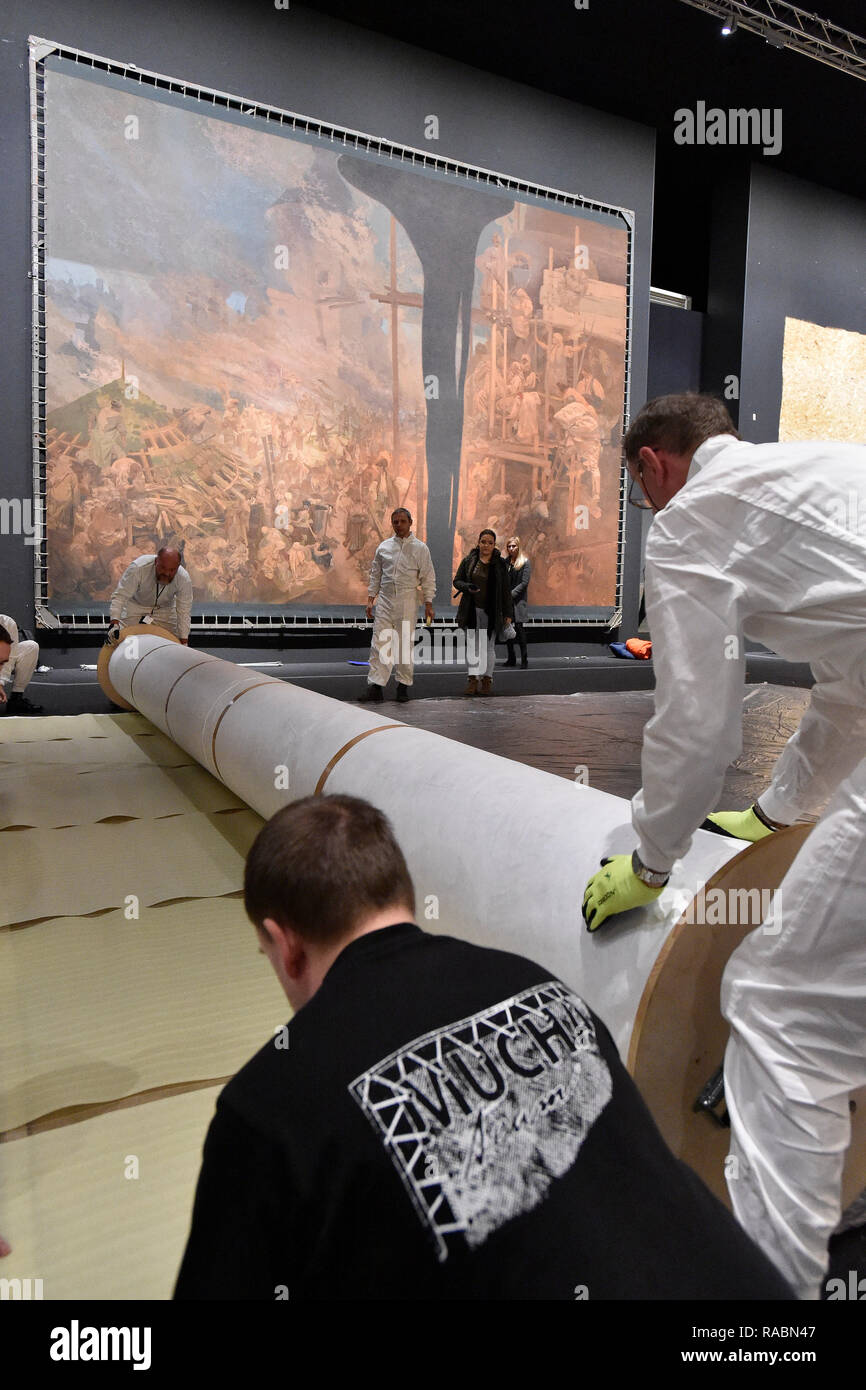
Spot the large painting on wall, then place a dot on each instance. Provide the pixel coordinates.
(823, 383)
(259, 342)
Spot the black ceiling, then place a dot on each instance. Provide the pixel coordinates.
(644, 59)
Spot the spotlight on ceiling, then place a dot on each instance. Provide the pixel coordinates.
(730, 25)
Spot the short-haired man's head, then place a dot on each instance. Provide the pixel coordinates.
(679, 424)
(402, 511)
(323, 865)
(167, 562)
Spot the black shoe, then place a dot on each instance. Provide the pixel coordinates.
(372, 695)
(511, 661)
(524, 663)
(402, 693)
(18, 703)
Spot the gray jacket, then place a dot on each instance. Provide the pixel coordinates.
(138, 588)
(519, 581)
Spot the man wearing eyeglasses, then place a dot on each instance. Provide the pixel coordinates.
(767, 542)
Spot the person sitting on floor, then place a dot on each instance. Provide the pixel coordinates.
(19, 661)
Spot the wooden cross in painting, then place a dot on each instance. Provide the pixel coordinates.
(395, 297)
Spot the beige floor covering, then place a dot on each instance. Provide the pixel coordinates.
(24, 729)
(100, 1007)
(28, 795)
(76, 1222)
(85, 868)
(78, 754)
(95, 1008)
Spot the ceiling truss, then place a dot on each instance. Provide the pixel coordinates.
(785, 26)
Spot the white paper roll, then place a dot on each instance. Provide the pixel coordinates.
(499, 853)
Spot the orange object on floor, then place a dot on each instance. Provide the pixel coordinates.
(640, 647)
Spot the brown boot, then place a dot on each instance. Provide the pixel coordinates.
(486, 685)
(471, 686)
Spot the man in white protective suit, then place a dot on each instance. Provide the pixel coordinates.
(18, 661)
(153, 589)
(768, 542)
(401, 566)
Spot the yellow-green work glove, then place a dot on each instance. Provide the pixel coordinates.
(615, 888)
(742, 825)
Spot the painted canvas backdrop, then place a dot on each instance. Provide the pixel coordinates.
(823, 381)
(259, 343)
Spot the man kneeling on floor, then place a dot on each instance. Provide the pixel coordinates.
(18, 661)
(438, 1120)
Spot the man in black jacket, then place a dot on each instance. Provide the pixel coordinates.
(437, 1120)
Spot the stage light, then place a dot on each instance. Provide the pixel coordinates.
(730, 25)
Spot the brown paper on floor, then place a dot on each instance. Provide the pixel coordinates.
(75, 1221)
(132, 723)
(87, 868)
(95, 1008)
(87, 752)
(27, 729)
(52, 796)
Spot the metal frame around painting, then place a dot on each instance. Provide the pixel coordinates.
(263, 618)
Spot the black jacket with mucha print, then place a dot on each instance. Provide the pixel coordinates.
(442, 1121)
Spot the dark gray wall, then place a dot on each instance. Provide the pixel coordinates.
(806, 259)
(721, 356)
(675, 337)
(305, 62)
(674, 365)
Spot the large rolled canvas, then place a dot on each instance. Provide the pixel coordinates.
(452, 807)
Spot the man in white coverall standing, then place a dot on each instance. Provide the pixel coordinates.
(400, 566)
(766, 541)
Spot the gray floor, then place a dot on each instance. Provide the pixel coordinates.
(603, 733)
(66, 681)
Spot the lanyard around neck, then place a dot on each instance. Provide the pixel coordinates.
(158, 589)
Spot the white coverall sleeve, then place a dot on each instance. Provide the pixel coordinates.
(183, 603)
(427, 576)
(7, 670)
(375, 574)
(693, 612)
(125, 590)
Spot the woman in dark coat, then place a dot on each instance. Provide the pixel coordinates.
(519, 575)
(485, 607)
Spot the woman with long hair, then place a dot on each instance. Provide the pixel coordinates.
(519, 574)
(485, 607)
